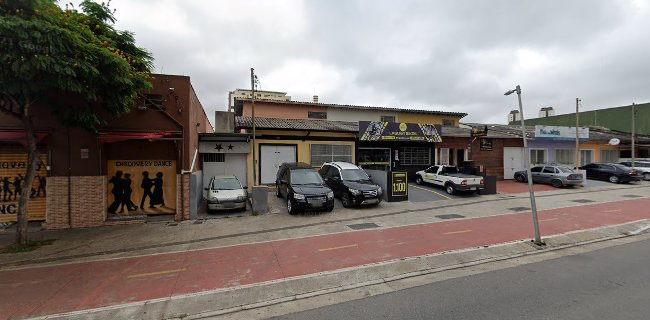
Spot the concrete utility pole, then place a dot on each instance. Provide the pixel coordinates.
(253, 121)
(538, 239)
(577, 157)
(633, 117)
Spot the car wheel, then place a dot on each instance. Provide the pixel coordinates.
(613, 179)
(520, 178)
(646, 176)
(450, 188)
(556, 183)
(290, 208)
(329, 209)
(345, 199)
(277, 191)
(419, 180)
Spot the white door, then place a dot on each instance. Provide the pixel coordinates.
(271, 157)
(513, 161)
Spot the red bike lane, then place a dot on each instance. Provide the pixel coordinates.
(47, 290)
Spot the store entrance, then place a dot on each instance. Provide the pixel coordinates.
(374, 158)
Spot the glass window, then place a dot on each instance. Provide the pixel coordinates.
(537, 156)
(548, 170)
(586, 156)
(226, 184)
(387, 118)
(321, 153)
(415, 156)
(536, 169)
(316, 115)
(564, 156)
(213, 157)
(608, 155)
(448, 122)
(354, 175)
(305, 177)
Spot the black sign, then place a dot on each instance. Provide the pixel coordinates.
(486, 144)
(478, 132)
(399, 184)
(398, 131)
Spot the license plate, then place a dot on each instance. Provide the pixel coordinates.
(472, 189)
(228, 205)
(316, 203)
(371, 201)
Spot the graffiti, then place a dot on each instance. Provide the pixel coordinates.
(152, 182)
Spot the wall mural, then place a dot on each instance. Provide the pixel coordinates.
(137, 187)
(13, 167)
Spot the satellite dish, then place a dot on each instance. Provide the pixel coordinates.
(614, 141)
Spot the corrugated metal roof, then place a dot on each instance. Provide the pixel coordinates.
(297, 124)
(595, 133)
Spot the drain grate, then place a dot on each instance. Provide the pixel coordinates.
(360, 226)
(198, 222)
(519, 208)
(583, 200)
(632, 196)
(450, 216)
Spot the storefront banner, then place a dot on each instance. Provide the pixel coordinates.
(399, 184)
(139, 187)
(560, 133)
(398, 131)
(223, 147)
(486, 144)
(13, 167)
(479, 132)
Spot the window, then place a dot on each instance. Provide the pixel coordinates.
(414, 156)
(537, 156)
(448, 122)
(586, 156)
(213, 157)
(536, 169)
(564, 156)
(548, 170)
(321, 153)
(387, 118)
(154, 101)
(608, 155)
(316, 115)
(444, 156)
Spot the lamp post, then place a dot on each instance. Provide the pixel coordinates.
(538, 239)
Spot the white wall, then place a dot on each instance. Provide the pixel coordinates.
(353, 115)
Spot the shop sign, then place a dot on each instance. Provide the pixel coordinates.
(399, 184)
(398, 131)
(486, 144)
(13, 168)
(479, 132)
(560, 133)
(138, 187)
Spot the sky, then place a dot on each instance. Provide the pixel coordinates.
(456, 55)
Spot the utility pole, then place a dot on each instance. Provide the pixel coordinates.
(633, 116)
(253, 121)
(577, 158)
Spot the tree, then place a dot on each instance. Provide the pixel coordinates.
(47, 51)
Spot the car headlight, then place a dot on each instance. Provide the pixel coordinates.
(241, 198)
(330, 195)
(299, 196)
(379, 190)
(355, 192)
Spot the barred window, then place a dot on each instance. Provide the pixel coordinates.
(213, 157)
(415, 156)
(586, 157)
(537, 156)
(564, 156)
(387, 118)
(321, 153)
(609, 156)
(316, 115)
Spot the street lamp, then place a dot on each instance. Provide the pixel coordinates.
(538, 239)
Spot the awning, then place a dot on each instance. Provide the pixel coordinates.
(113, 136)
(20, 136)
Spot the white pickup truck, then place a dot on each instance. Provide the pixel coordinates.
(450, 178)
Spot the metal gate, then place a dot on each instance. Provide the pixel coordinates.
(513, 161)
(271, 157)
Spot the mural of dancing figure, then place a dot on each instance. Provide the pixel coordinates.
(146, 185)
(157, 198)
(126, 199)
(118, 192)
(5, 189)
(18, 188)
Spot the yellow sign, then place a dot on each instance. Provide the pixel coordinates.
(137, 187)
(13, 167)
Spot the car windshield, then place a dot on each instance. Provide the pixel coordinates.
(305, 177)
(565, 169)
(354, 175)
(226, 184)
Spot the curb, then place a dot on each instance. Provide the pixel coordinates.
(229, 300)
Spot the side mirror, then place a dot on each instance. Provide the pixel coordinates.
(206, 189)
(245, 188)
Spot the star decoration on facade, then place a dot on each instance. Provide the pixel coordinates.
(219, 147)
(230, 146)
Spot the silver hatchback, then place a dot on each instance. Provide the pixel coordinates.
(556, 176)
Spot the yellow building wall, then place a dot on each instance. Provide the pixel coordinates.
(597, 146)
(425, 118)
(303, 148)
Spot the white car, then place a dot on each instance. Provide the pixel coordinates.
(450, 178)
(225, 193)
(642, 168)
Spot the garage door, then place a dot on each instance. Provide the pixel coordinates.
(513, 161)
(216, 164)
(271, 157)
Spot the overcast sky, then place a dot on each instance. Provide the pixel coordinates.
(456, 55)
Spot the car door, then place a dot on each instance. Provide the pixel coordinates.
(430, 174)
(591, 170)
(547, 174)
(336, 181)
(535, 173)
(604, 171)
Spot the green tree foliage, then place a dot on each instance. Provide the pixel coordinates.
(47, 51)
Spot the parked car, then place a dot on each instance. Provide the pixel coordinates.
(226, 192)
(612, 172)
(556, 176)
(303, 188)
(350, 184)
(641, 167)
(450, 178)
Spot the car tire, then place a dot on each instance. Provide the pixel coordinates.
(520, 178)
(277, 191)
(329, 209)
(613, 179)
(450, 188)
(290, 208)
(646, 176)
(557, 183)
(346, 201)
(419, 180)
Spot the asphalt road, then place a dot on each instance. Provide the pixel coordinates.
(419, 193)
(611, 283)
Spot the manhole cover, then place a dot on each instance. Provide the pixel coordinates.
(360, 226)
(583, 200)
(198, 222)
(632, 196)
(519, 208)
(450, 216)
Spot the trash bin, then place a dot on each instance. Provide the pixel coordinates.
(490, 185)
(260, 199)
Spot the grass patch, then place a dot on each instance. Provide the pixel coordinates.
(30, 246)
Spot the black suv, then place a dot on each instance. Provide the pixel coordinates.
(350, 184)
(303, 188)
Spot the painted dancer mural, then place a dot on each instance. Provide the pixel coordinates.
(151, 183)
(13, 166)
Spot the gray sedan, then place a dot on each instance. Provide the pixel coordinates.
(556, 176)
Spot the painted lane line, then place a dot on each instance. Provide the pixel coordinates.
(550, 219)
(457, 232)
(336, 248)
(141, 275)
(615, 210)
(428, 190)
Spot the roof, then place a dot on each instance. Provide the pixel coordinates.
(343, 165)
(349, 106)
(595, 133)
(297, 124)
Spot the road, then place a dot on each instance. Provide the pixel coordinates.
(611, 283)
